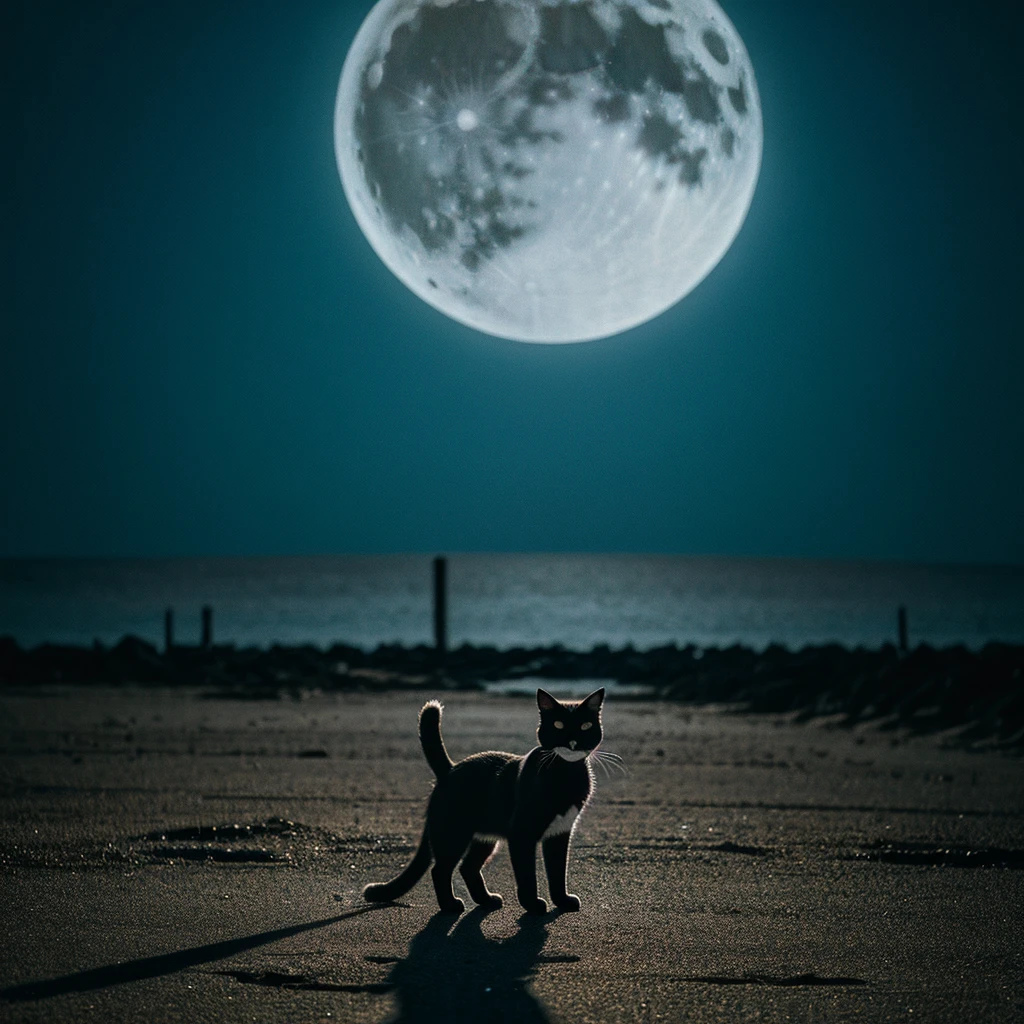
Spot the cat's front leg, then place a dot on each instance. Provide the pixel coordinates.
(556, 861)
(523, 853)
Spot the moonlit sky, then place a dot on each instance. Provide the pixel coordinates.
(200, 354)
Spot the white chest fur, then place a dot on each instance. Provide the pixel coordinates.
(563, 823)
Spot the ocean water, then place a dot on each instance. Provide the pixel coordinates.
(510, 600)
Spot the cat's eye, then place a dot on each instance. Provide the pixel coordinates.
(585, 725)
(559, 725)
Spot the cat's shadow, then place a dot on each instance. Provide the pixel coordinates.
(459, 974)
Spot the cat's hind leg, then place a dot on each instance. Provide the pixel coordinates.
(448, 851)
(480, 852)
(447, 901)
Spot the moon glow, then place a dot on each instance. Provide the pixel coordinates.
(548, 170)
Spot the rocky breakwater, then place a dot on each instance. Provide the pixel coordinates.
(975, 695)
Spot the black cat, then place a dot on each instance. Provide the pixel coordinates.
(491, 796)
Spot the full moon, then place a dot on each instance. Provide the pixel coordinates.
(549, 170)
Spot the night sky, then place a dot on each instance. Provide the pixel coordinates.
(201, 354)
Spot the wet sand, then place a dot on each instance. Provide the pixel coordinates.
(166, 856)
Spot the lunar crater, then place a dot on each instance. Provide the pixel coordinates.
(479, 140)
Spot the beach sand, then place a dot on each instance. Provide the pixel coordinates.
(167, 857)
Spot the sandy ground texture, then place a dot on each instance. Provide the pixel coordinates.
(169, 857)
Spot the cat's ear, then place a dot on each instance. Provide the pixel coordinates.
(595, 700)
(545, 701)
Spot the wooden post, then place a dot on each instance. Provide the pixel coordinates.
(441, 605)
(901, 621)
(168, 630)
(207, 626)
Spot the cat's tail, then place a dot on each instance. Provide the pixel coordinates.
(441, 763)
(430, 737)
(385, 892)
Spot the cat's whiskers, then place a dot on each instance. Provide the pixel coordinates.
(606, 760)
(547, 757)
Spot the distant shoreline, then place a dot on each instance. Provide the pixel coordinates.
(975, 695)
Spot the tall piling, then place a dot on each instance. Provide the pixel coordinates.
(441, 606)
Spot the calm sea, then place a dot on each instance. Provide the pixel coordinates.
(507, 600)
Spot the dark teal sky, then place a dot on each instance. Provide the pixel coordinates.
(201, 354)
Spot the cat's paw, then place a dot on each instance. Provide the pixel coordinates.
(455, 907)
(534, 906)
(569, 903)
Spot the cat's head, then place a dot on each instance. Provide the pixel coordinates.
(570, 728)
